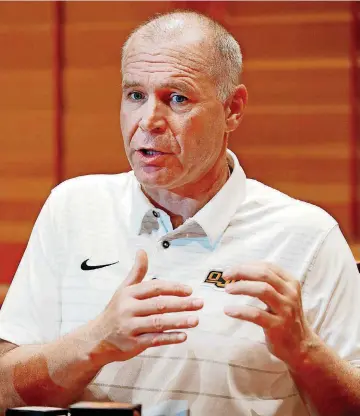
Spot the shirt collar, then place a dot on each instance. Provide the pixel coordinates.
(140, 207)
(214, 217)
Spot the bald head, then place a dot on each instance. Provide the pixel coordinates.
(222, 50)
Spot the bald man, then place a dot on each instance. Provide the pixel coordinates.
(182, 279)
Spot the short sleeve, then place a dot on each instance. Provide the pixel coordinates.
(331, 297)
(31, 311)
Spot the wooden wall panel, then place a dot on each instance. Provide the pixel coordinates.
(22, 97)
(291, 41)
(11, 252)
(319, 83)
(26, 124)
(92, 14)
(277, 10)
(94, 144)
(87, 92)
(272, 127)
(24, 14)
(355, 95)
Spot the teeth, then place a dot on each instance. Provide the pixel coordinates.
(151, 152)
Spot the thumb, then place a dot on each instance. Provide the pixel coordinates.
(138, 271)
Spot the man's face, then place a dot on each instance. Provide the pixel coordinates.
(172, 122)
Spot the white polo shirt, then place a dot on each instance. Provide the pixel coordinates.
(224, 368)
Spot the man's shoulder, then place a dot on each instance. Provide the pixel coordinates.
(286, 209)
(93, 185)
(91, 194)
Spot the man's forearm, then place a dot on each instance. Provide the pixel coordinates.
(54, 374)
(330, 384)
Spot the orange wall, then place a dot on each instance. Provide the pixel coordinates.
(26, 123)
(296, 135)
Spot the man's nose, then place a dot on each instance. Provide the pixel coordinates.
(153, 117)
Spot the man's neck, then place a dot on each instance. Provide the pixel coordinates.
(184, 202)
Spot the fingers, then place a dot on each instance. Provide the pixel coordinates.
(138, 270)
(155, 288)
(261, 290)
(165, 338)
(255, 315)
(161, 323)
(264, 272)
(165, 304)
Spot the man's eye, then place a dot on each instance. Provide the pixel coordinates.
(136, 95)
(178, 99)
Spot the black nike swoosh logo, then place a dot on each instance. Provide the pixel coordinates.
(85, 266)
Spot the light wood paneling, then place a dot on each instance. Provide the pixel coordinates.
(294, 128)
(96, 31)
(3, 291)
(26, 48)
(90, 93)
(12, 252)
(356, 251)
(26, 90)
(93, 13)
(286, 8)
(26, 128)
(26, 123)
(27, 136)
(15, 232)
(25, 14)
(94, 144)
(291, 87)
(291, 41)
(270, 168)
(25, 189)
(23, 166)
(93, 48)
(13, 211)
(356, 109)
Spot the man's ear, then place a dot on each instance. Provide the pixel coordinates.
(234, 108)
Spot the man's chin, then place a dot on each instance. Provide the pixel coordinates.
(152, 177)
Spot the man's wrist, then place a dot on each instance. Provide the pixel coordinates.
(306, 355)
(91, 346)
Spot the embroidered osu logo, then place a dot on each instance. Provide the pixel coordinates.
(215, 277)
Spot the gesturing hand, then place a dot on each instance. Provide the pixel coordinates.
(137, 316)
(286, 330)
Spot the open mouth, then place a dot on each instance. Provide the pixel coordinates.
(151, 152)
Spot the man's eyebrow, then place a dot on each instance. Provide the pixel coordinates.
(176, 85)
(130, 84)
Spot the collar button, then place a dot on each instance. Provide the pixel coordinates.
(165, 244)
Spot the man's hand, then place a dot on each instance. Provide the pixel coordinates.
(137, 317)
(286, 330)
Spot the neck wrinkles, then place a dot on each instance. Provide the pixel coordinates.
(183, 203)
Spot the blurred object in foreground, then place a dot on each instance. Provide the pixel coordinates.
(105, 408)
(169, 408)
(36, 411)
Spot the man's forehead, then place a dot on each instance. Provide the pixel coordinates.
(163, 63)
(171, 33)
(182, 46)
